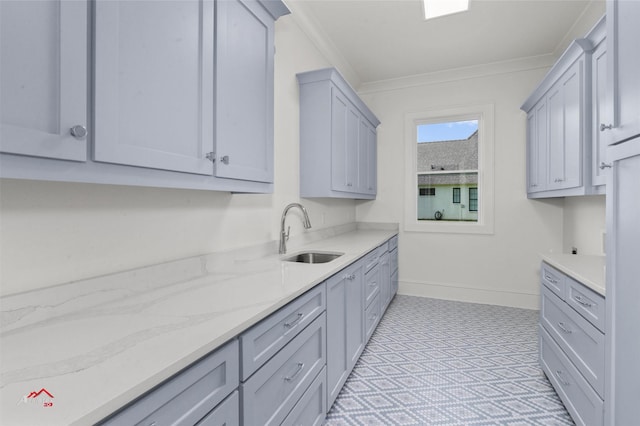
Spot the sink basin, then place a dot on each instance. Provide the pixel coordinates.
(313, 257)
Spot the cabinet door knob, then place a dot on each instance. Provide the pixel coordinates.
(604, 127)
(604, 165)
(225, 159)
(78, 131)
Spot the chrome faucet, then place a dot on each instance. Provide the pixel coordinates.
(284, 236)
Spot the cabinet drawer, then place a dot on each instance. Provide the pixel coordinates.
(311, 410)
(584, 405)
(393, 260)
(384, 248)
(553, 279)
(371, 285)
(270, 394)
(189, 395)
(586, 301)
(393, 243)
(580, 340)
(225, 414)
(265, 339)
(370, 260)
(372, 316)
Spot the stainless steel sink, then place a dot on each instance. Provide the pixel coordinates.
(313, 257)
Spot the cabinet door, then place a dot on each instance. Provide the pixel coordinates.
(345, 124)
(565, 130)
(572, 93)
(345, 327)
(555, 142)
(623, 34)
(337, 361)
(600, 114)
(371, 163)
(43, 51)
(623, 291)
(154, 84)
(537, 147)
(355, 315)
(244, 91)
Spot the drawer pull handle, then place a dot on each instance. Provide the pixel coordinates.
(560, 378)
(562, 327)
(581, 301)
(548, 278)
(350, 277)
(295, 373)
(295, 321)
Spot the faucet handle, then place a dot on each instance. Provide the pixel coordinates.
(286, 236)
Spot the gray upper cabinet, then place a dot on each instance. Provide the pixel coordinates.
(182, 93)
(154, 84)
(559, 157)
(337, 139)
(244, 91)
(623, 34)
(43, 107)
(601, 111)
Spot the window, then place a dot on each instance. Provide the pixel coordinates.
(473, 199)
(456, 196)
(449, 160)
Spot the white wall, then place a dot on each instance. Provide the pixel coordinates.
(57, 232)
(501, 268)
(584, 224)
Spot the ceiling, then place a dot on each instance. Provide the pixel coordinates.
(389, 39)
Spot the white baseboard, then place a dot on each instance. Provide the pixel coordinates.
(461, 293)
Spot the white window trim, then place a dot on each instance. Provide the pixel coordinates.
(484, 113)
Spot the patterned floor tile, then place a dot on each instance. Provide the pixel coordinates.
(437, 362)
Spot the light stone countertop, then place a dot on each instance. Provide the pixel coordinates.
(589, 270)
(98, 344)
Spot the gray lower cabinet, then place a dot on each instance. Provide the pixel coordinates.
(189, 396)
(225, 414)
(272, 392)
(286, 369)
(572, 344)
(345, 326)
(311, 409)
(265, 339)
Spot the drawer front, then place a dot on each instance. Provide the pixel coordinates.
(311, 410)
(587, 302)
(393, 243)
(394, 284)
(384, 247)
(270, 394)
(580, 340)
(584, 405)
(553, 279)
(370, 260)
(372, 316)
(371, 285)
(265, 339)
(393, 260)
(225, 414)
(189, 395)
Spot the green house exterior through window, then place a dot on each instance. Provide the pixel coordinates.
(473, 199)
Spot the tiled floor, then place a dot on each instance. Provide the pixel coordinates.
(436, 362)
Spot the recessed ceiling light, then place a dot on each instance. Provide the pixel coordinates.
(436, 8)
